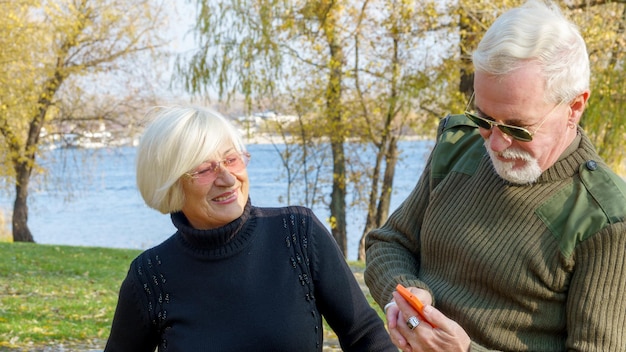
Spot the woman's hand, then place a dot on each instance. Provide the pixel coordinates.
(448, 336)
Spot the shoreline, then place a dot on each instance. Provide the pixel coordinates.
(268, 138)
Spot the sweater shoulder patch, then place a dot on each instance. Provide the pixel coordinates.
(459, 147)
(607, 188)
(585, 206)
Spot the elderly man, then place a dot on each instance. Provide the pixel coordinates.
(516, 230)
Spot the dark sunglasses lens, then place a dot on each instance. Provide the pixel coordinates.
(479, 121)
(517, 133)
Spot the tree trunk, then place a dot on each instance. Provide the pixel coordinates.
(338, 194)
(336, 134)
(24, 164)
(390, 170)
(386, 148)
(338, 198)
(370, 221)
(467, 42)
(21, 232)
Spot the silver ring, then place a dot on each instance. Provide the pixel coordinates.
(412, 322)
(392, 303)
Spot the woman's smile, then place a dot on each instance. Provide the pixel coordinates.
(226, 198)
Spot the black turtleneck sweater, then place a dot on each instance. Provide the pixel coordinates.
(260, 283)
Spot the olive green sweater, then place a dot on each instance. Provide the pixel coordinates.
(540, 267)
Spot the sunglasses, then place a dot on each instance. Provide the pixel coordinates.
(232, 163)
(518, 133)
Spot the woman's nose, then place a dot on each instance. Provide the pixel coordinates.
(224, 177)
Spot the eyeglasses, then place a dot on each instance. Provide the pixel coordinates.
(518, 133)
(235, 162)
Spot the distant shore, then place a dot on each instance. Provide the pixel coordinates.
(267, 138)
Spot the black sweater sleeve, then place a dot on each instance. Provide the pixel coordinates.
(131, 330)
(340, 298)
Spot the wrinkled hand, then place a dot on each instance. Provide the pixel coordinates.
(448, 336)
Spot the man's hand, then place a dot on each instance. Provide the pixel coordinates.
(448, 336)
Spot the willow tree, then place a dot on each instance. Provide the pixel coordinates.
(251, 47)
(46, 45)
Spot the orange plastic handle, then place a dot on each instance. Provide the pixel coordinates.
(413, 301)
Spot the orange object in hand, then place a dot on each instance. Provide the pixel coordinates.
(413, 301)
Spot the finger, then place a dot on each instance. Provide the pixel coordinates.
(398, 339)
(392, 316)
(402, 334)
(403, 305)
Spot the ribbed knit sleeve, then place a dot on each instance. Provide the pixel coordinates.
(596, 304)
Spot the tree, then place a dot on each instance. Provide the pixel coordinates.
(251, 47)
(602, 24)
(52, 44)
(397, 79)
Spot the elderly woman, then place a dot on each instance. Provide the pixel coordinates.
(233, 277)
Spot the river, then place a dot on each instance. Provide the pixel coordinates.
(89, 197)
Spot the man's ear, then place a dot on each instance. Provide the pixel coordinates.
(577, 107)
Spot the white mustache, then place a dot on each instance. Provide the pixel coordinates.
(513, 153)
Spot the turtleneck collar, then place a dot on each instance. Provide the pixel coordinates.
(221, 241)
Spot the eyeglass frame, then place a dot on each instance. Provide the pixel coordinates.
(504, 128)
(221, 164)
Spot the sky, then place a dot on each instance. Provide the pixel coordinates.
(181, 20)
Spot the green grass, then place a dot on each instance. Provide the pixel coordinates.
(52, 295)
(65, 296)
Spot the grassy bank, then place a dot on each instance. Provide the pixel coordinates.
(58, 295)
(65, 296)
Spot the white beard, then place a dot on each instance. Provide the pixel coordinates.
(528, 173)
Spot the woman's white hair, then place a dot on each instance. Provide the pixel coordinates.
(178, 140)
(537, 31)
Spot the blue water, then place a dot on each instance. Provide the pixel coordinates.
(90, 198)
